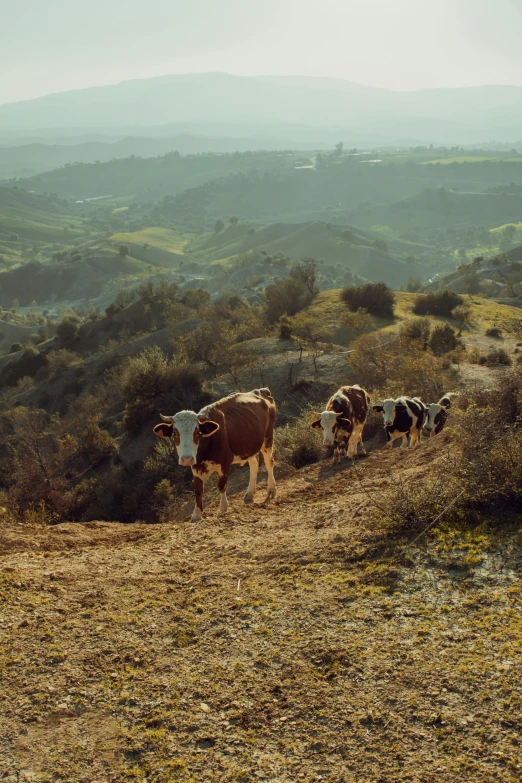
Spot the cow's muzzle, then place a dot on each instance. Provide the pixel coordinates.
(186, 461)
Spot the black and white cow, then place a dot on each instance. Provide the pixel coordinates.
(403, 417)
(438, 414)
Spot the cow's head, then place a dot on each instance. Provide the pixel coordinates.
(187, 428)
(388, 409)
(436, 417)
(331, 423)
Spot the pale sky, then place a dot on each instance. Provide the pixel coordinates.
(54, 45)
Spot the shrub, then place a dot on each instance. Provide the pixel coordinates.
(497, 357)
(297, 444)
(150, 382)
(494, 331)
(162, 500)
(96, 443)
(59, 361)
(285, 328)
(286, 297)
(441, 303)
(124, 250)
(68, 330)
(376, 298)
(416, 329)
(15, 347)
(443, 339)
(396, 366)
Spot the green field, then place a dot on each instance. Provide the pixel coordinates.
(162, 238)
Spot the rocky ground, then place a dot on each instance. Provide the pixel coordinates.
(292, 642)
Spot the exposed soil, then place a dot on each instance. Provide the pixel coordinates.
(284, 642)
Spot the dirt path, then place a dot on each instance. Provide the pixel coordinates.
(277, 643)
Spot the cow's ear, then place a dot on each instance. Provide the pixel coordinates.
(316, 425)
(377, 408)
(208, 428)
(164, 430)
(344, 423)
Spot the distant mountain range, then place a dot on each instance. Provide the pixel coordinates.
(297, 108)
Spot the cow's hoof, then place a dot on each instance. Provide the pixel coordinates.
(270, 494)
(195, 519)
(248, 499)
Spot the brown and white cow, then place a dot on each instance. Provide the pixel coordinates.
(343, 421)
(229, 431)
(403, 417)
(438, 414)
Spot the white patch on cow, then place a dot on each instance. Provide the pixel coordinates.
(211, 467)
(186, 423)
(328, 422)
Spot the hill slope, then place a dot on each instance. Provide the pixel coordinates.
(282, 642)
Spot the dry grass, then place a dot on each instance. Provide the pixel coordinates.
(279, 643)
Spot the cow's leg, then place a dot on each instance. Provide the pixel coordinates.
(361, 440)
(254, 466)
(266, 451)
(336, 455)
(414, 439)
(404, 443)
(198, 493)
(222, 487)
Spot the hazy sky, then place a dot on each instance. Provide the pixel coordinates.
(54, 45)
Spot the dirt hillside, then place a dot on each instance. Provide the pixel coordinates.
(287, 642)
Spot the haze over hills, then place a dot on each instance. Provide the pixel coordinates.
(464, 115)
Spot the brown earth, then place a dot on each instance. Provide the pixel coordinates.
(286, 642)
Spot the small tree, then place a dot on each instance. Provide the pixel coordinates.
(311, 334)
(233, 220)
(123, 250)
(462, 315)
(219, 226)
(306, 273)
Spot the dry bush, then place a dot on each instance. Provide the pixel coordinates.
(495, 358)
(96, 443)
(298, 444)
(375, 298)
(416, 329)
(286, 297)
(151, 381)
(443, 339)
(61, 360)
(35, 458)
(442, 303)
(162, 500)
(396, 366)
(494, 331)
(480, 479)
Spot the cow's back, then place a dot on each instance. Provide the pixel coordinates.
(359, 401)
(249, 420)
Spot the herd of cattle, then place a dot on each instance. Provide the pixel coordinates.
(235, 429)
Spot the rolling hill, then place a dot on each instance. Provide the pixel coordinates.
(341, 248)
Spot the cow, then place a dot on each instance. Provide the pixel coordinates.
(343, 421)
(437, 414)
(403, 417)
(232, 430)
